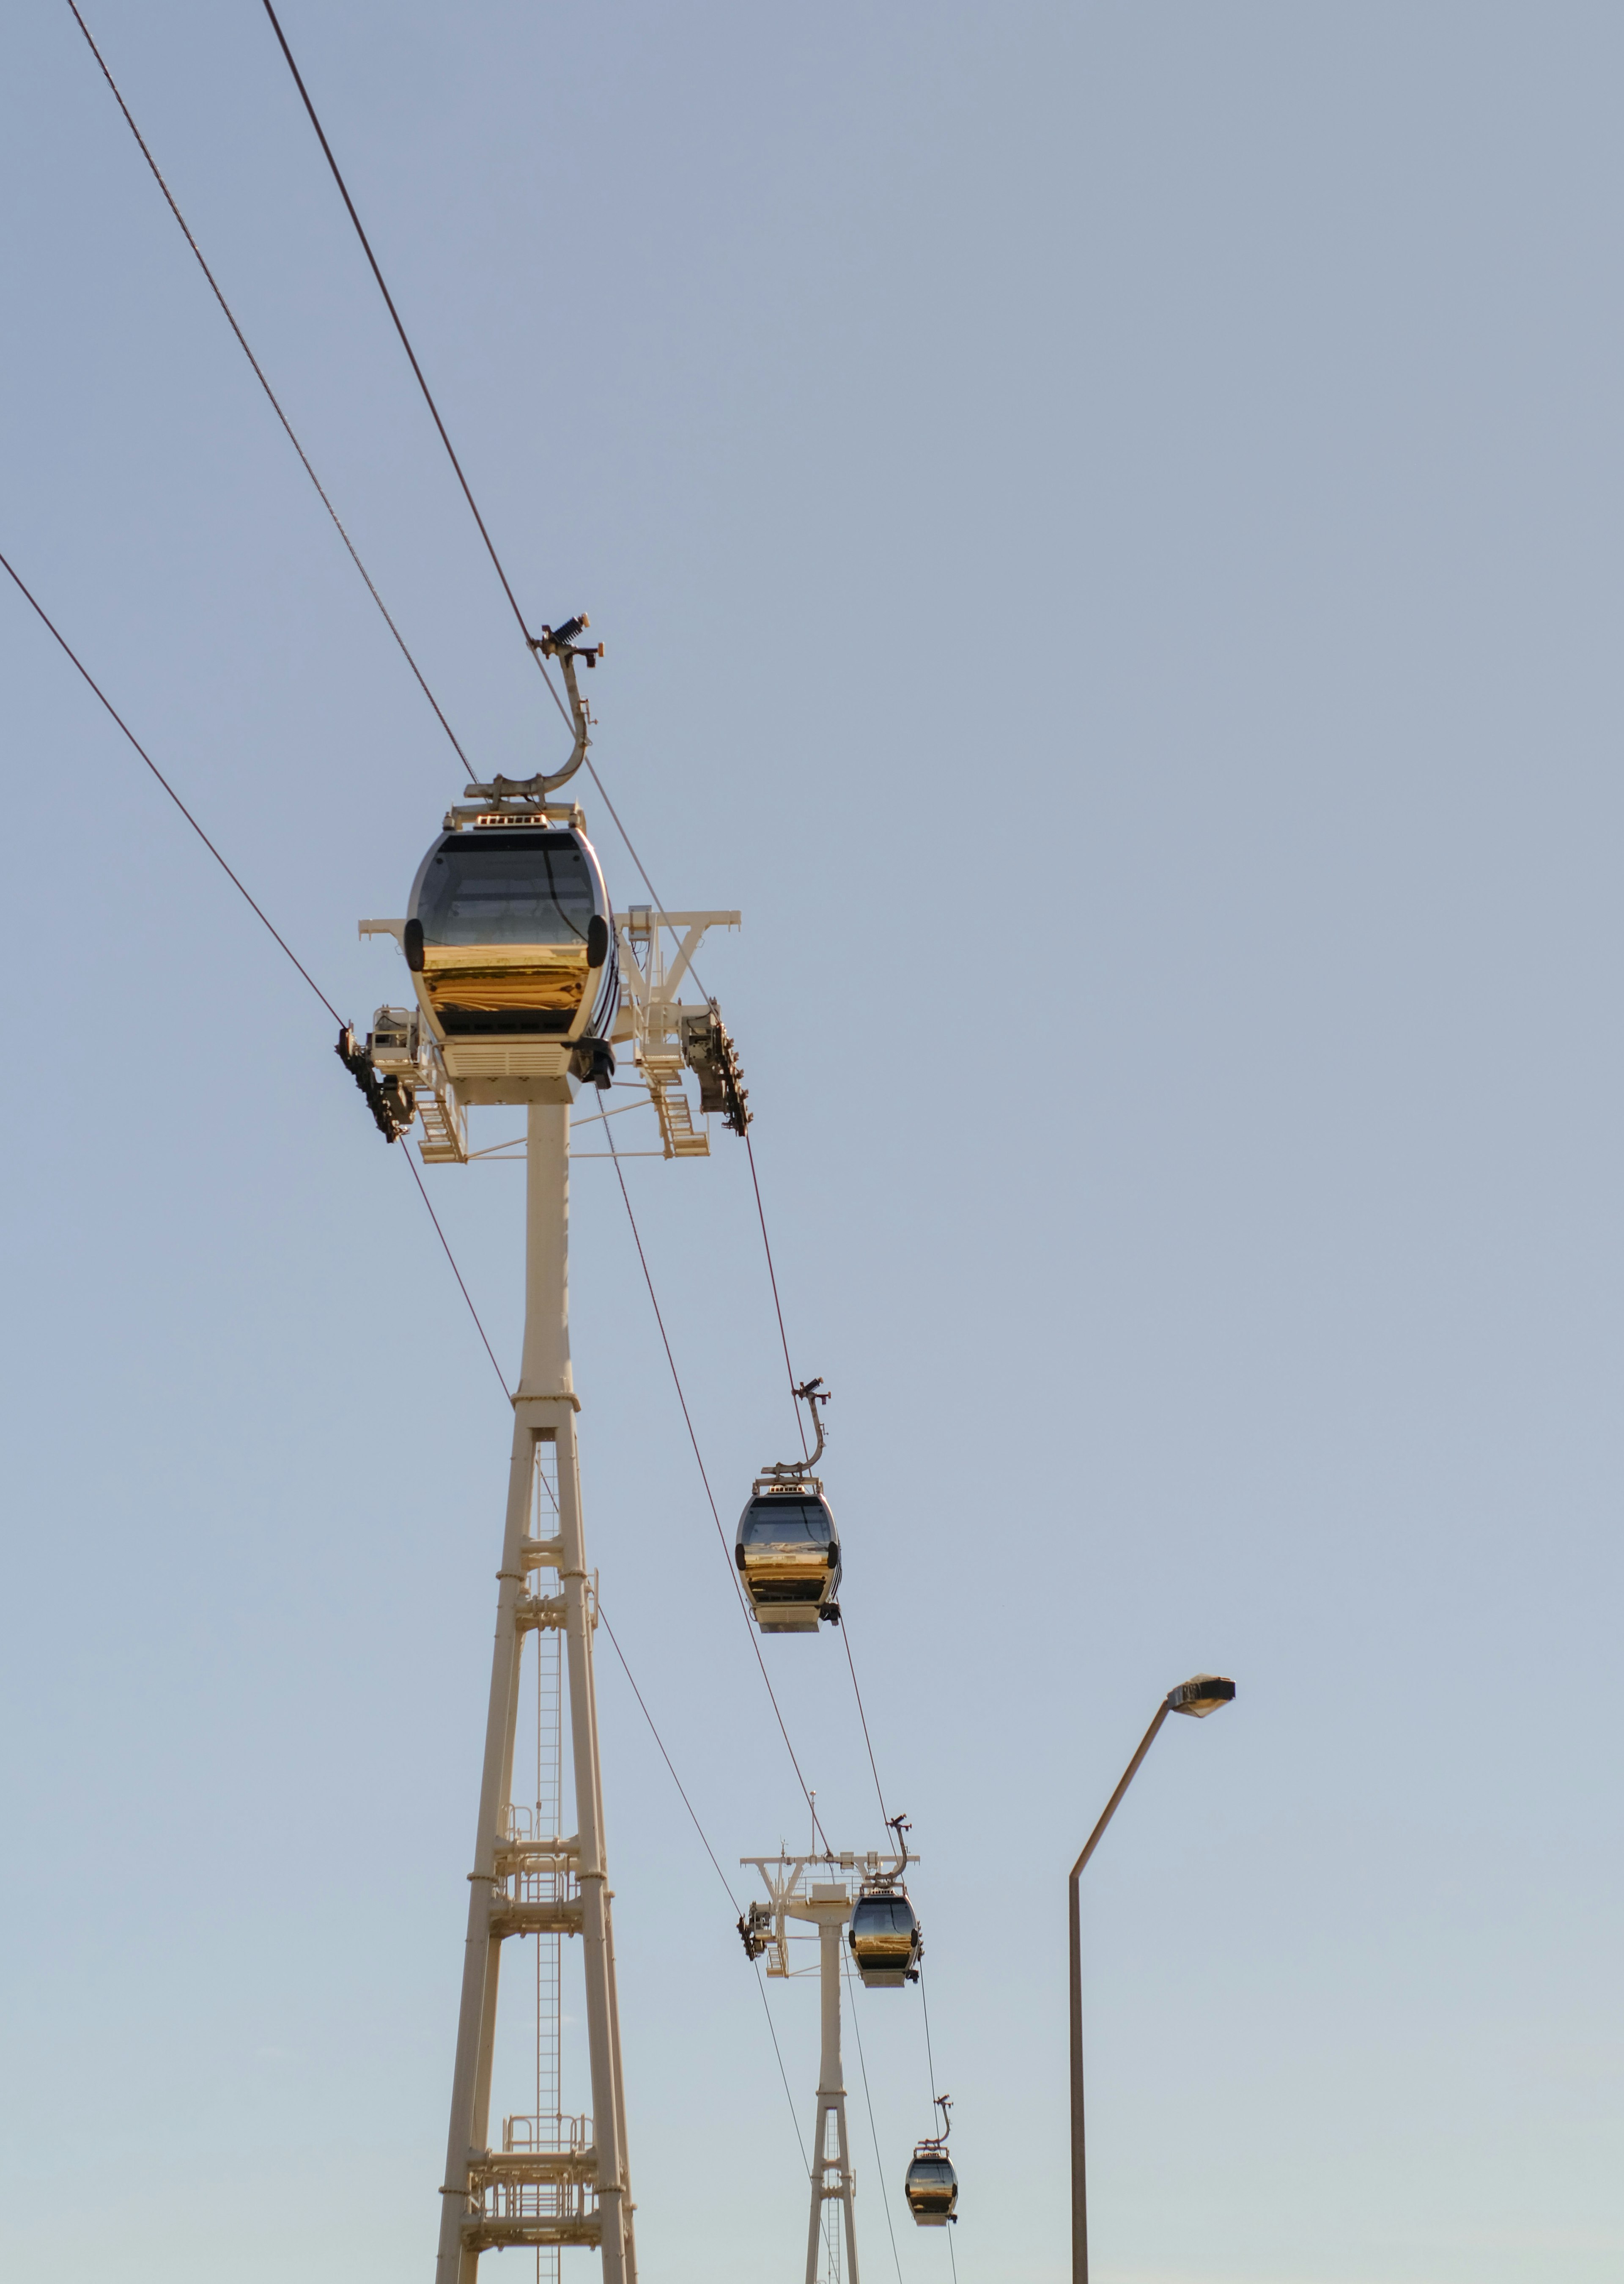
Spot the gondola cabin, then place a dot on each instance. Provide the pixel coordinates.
(886, 1938)
(931, 2186)
(789, 1558)
(511, 944)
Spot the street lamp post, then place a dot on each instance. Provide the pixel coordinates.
(1199, 1696)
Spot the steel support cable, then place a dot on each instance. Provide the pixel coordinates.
(863, 1718)
(710, 1851)
(389, 300)
(930, 2055)
(462, 1287)
(95, 687)
(284, 946)
(766, 1243)
(783, 2073)
(270, 394)
(761, 1216)
(665, 1756)
(862, 1714)
(523, 628)
(269, 926)
(931, 2060)
(506, 588)
(456, 1273)
(750, 1149)
(710, 1494)
(642, 871)
(862, 2063)
(778, 1306)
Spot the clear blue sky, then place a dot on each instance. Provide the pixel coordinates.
(1106, 525)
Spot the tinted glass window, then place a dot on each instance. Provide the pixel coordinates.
(786, 1523)
(883, 1915)
(506, 889)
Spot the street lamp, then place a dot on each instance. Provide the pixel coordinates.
(1202, 1694)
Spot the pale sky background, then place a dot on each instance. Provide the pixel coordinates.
(1105, 520)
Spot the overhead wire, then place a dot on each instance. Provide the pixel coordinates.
(255, 907)
(665, 1756)
(338, 525)
(507, 589)
(777, 1310)
(929, 2052)
(789, 1369)
(282, 942)
(286, 948)
(468, 493)
(863, 1717)
(930, 2060)
(406, 341)
(857, 1691)
(862, 2063)
(710, 1851)
(614, 814)
(95, 687)
(456, 1273)
(710, 1495)
(778, 1306)
(597, 780)
(412, 356)
(259, 374)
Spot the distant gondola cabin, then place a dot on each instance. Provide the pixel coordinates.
(789, 1558)
(931, 2186)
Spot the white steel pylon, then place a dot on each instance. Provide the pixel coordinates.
(832, 2178)
(819, 1889)
(576, 2190)
(493, 938)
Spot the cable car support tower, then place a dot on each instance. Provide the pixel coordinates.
(556, 2180)
(818, 1891)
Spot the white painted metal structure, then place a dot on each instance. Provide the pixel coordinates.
(666, 1034)
(557, 2180)
(820, 1890)
(570, 2185)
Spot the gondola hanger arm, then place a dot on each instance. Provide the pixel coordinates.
(815, 1395)
(560, 643)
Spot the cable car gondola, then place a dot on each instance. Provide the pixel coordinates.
(886, 1939)
(789, 1558)
(510, 941)
(787, 1547)
(509, 934)
(930, 2184)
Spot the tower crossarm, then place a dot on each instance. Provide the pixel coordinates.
(668, 1035)
(817, 1889)
(650, 982)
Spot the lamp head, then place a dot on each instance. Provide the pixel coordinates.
(1201, 1694)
